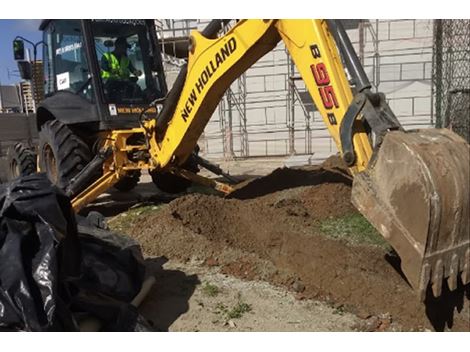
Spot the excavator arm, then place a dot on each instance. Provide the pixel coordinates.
(412, 186)
(215, 62)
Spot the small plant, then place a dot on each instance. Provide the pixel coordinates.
(339, 310)
(210, 290)
(238, 311)
(221, 309)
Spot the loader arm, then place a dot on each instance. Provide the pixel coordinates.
(412, 186)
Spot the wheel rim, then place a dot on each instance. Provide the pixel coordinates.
(15, 169)
(50, 163)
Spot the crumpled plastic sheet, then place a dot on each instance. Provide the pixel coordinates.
(54, 272)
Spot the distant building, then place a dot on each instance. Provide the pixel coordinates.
(9, 99)
(38, 82)
(28, 104)
(26, 95)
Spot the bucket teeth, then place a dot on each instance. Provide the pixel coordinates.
(446, 269)
(466, 268)
(453, 273)
(425, 278)
(438, 275)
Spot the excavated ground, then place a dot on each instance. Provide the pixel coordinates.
(271, 230)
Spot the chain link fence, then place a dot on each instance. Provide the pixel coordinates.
(451, 75)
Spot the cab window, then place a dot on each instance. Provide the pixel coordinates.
(67, 52)
(123, 51)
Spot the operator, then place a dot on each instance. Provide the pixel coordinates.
(116, 65)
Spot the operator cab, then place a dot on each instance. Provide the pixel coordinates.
(133, 88)
(75, 56)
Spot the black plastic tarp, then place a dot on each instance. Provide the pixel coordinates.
(54, 272)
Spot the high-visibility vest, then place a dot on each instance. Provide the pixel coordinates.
(117, 69)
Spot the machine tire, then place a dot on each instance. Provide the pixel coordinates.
(21, 161)
(62, 154)
(128, 182)
(170, 183)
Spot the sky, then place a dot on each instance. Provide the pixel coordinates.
(9, 29)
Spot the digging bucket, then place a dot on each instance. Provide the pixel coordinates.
(415, 192)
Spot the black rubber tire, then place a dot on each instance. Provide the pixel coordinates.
(169, 183)
(21, 161)
(62, 154)
(128, 182)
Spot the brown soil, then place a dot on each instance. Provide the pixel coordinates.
(271, 234)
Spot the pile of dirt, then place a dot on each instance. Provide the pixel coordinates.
(270, 232)
(333, 170)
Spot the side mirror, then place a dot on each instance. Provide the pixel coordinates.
(18, 49)
(25, 69)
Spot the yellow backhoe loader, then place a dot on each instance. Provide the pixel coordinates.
(413, 186)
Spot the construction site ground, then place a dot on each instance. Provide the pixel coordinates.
(289, 253)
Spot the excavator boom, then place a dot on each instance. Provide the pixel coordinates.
(412, 186)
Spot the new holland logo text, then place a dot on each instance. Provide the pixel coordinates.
(206, 74)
